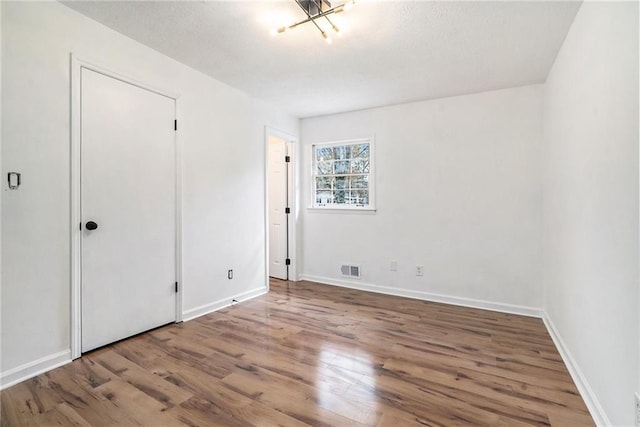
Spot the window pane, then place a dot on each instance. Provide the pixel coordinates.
(357, 197)
(339, 197)
(342, 182)
(360, 166)
(341, 167)
(360, 182)
(323, 183)
(360, 151)
(349, 199)
(342, 152)
(324, 197)
(324, 168)
(324, 153)
(360, 197)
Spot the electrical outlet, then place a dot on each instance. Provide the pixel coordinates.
(230, 274)
(394, 266)
(419, 270)
(637, 399)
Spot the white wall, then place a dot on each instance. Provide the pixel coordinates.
(223, 200)
(458, 189)
(0, 189)
(591, 201)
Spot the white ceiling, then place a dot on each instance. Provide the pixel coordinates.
(391, 52)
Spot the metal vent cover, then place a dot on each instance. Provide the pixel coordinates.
(350, 270)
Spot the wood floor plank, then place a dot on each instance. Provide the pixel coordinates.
(261, 415)
(310, 354)
(139, 406)
(62, 415)
(295, 400)
(26, 400)
(207, 387)
(202, 412)
(154, 386)
(89, 403)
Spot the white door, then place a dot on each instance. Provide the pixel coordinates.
(128, 189)
(277, 203)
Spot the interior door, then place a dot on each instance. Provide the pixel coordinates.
(277, 203)
(128, 209)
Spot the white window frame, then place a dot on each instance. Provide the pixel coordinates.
(344, 207)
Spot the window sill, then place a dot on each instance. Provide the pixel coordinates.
(365, 211)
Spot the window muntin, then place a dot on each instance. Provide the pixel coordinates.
(342, 173)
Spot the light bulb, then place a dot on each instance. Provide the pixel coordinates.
(337, 30)
(348, 5)
(326, 37)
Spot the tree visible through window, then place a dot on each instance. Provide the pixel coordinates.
(342, 174)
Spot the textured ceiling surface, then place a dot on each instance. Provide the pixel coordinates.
(391, 51)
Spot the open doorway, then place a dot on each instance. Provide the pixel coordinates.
(280, 205)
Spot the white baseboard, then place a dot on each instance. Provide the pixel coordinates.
(36, 367)
(589, 397)
(226, 302)
(427, 296)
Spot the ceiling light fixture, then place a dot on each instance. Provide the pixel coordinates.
(318, 9)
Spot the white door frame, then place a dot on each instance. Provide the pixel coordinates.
(77, 65)
(292, 218)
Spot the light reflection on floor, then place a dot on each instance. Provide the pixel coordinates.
(346, 377)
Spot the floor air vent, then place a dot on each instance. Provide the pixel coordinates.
(352, 271)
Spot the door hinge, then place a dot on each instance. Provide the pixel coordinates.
(287, 261)
(175, 125)
(287, 159)
(287, 210)
(176, 286)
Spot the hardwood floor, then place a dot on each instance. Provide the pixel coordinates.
(310, 354)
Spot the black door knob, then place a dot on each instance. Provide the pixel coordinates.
(91, 225)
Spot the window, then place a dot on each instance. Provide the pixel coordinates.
(343, 175)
